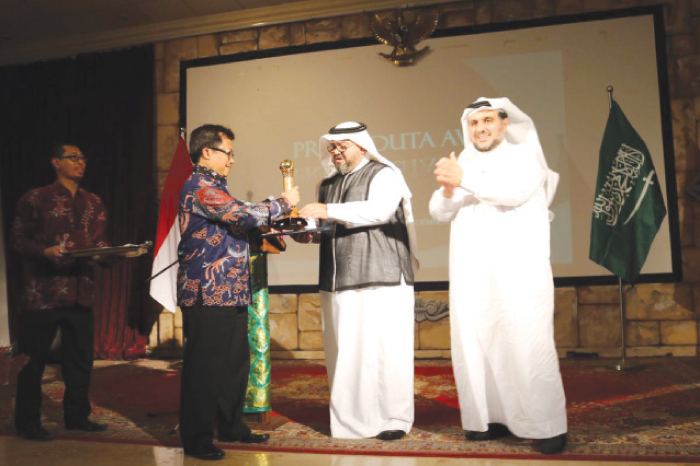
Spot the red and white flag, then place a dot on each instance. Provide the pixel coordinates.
(163, 287)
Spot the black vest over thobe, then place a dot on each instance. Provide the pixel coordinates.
(353, 258)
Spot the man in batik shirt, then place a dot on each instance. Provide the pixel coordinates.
(58, 291)
(214, 292)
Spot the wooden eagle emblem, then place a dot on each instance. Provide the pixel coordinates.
(403, 33)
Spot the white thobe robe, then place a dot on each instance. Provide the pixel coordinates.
(368, 334)
(502, 294)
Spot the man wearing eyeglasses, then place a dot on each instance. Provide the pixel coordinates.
(214, 292)
(366, 273)
(58, 291)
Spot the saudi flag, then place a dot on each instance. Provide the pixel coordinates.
(628, 208)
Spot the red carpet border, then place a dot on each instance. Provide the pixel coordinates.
(651, 415)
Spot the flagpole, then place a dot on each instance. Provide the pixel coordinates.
(161, 271)
(623, 365)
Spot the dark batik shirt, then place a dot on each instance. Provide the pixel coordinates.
(51, 216)
(214, 253)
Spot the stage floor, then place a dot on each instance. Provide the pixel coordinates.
(646, 417)
(15, 451)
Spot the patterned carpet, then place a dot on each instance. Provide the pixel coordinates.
(651, 415)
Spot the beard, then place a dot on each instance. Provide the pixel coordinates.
(491, 145)
(343, 168)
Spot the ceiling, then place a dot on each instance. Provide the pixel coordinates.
(32, 30)
(26, 21)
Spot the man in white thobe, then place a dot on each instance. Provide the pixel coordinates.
(497, 196)
(366, 274)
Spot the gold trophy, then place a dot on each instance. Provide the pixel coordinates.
(291, 221)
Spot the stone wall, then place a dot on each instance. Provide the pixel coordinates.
(662, 319)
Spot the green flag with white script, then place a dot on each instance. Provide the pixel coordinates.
(628, 208)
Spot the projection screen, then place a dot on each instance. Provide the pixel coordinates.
(279, 102)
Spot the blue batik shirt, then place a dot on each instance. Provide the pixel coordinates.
(213, 253)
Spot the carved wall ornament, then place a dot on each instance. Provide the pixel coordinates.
(432, 311)
(403, 30)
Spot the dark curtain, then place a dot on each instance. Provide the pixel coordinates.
(104, 103)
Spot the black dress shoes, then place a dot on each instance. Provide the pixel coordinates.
(554, 445)
(391, 435)
(495, 431)
(37, 434)
(207, 453)
(247, 438)
(86, 425)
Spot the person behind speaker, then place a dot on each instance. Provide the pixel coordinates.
(58, 291)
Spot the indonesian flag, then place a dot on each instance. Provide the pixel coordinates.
(163, 287)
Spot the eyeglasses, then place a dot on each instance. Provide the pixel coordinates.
(74, 158)
(229, 153)
(341, 149)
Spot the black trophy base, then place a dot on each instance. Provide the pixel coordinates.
(290, 223)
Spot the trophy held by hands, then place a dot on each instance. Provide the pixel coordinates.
(291, 221)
